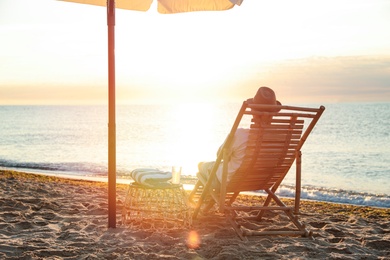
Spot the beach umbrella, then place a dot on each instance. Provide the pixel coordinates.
(164, 7)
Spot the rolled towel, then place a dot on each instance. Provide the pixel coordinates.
(150, 177)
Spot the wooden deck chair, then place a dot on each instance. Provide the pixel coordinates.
(271, 150)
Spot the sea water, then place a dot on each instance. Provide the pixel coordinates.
(346, 159)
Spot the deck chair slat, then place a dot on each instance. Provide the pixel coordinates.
(286, 114)
(287, 121)
(277, 135)
(275, 128)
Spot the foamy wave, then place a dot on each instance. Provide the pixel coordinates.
(337, 196)
(62, 168)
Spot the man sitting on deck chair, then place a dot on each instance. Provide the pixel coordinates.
(264, 96)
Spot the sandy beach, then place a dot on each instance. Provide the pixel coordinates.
(53, 218)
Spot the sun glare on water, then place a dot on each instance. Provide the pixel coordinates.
(192, 135)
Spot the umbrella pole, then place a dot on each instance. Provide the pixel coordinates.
(111, 116)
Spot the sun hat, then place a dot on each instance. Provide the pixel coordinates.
(265, 96)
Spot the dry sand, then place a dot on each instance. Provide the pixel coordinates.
(51, 218)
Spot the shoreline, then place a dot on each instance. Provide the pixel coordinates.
(58, 218)
(337, 196)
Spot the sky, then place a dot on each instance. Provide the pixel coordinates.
(54, 52)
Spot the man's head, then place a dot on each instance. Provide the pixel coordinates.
(265, 96)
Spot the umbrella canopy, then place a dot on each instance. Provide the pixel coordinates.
(167, 6)
(164, 7)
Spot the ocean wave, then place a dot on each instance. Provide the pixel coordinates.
(337, 196)
(84, 169)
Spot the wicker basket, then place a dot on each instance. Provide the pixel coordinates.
(163, 207)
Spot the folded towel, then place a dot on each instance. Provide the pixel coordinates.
(150, 177)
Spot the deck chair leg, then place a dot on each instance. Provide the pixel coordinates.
(301, 227)
(202, 197)
(267, 201)
(194, 192)
(231, 218)
(206, 188)
(233, 198)
(208, 206)
(298, 184)
(199, 204)
(261, 212)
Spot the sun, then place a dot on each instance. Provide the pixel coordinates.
(192, 134)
